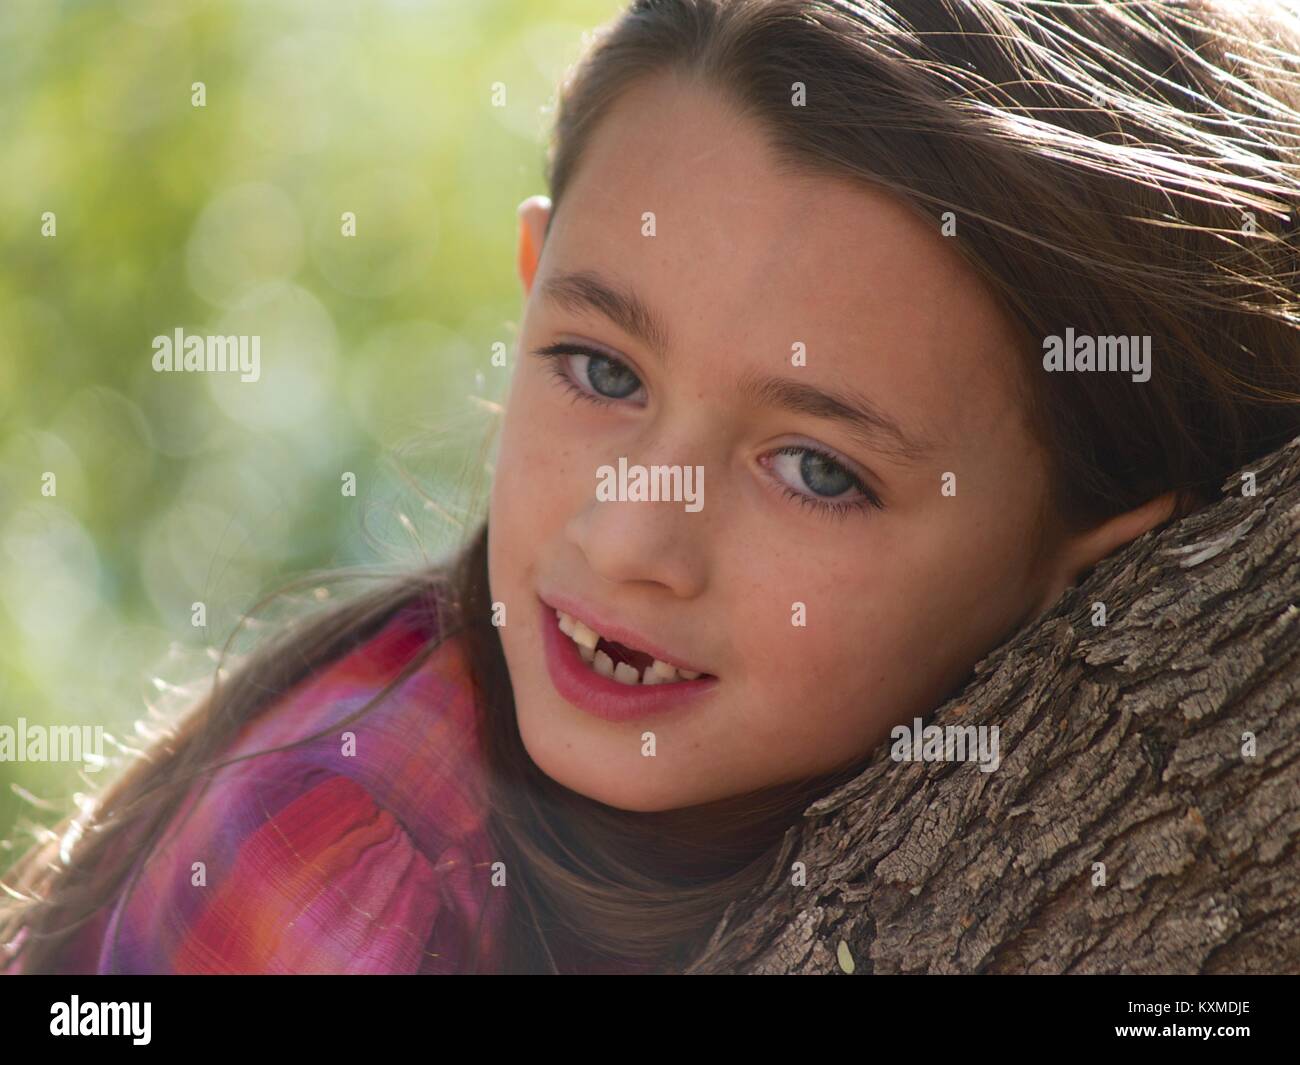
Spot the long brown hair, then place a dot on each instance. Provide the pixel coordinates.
(1122, 169)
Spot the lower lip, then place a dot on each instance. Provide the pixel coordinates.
(586, 689)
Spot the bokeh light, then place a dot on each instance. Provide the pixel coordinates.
(128, 213)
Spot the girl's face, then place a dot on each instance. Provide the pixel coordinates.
(809, 344)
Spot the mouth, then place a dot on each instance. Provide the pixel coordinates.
(619, 662)
(608, 677)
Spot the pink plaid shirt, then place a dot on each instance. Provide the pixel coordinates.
(362, 851)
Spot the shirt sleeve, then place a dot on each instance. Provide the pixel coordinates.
(325, 881)
(296, 856)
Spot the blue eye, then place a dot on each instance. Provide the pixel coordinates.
(827, 478)
(610, 379)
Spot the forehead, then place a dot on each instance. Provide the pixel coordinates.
(746, 260)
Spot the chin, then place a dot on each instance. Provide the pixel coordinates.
(621, 790)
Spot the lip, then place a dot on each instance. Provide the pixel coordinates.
(578, 684)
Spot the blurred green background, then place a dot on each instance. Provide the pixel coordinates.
(226, 219)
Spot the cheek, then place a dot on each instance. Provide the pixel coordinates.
(541, 442)
(882, 642)
(530, 456)
(816, 654)
(813, 698)
(972, 575)
(935, 603)
(517, 493)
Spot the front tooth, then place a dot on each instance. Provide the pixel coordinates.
(566, 623)
(586, 653)
(625, 674)
(585, 637)
(603, 664)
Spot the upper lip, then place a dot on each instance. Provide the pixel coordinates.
(604, 625)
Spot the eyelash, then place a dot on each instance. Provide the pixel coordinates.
(555, 355)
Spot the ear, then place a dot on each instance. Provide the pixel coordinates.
(1077, 553)
(533, 213)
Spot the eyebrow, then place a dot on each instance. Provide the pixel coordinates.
(859, 416)
(583, 291)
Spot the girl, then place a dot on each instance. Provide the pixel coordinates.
(818, 254)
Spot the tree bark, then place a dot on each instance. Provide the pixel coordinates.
(1125, 744)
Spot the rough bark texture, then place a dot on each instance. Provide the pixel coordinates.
(1120, 744)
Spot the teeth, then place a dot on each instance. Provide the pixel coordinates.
(660, 672)
(626, 674)
(583, 636)
(586, 638)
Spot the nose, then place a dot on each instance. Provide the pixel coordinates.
(655, 541)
